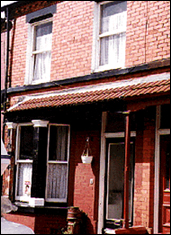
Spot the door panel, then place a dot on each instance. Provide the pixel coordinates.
(115, 182)
(164, 211)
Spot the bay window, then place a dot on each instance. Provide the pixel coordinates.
(24, 161)
(42, 160)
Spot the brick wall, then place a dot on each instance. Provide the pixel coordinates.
(144, 176)
(3, 68)
(148, 31)
(148, 38)
(19, 35)
(3, 53)
(72, 39)
(71, 42)
(86, 194)
(39, 223)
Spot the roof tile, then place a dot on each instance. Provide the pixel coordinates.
(97, 95)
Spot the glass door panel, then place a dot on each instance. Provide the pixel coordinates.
(115, 182)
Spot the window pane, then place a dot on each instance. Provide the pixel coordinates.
(43, 42)
(112, 50)
(26, 142)
(42, 47)
(165, 116)
(57, 181)
(104, 50)
(116, 181)
(113, 16)
(58, 143)
(41, 68)
(44, 29)
(24, 179)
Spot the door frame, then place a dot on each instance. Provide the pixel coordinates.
(158, 133)
(104, 137)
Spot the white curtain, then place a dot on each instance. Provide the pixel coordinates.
(57, 180)
(113, 47)
(113, 50)
(104, 51)
(58, 170)
(24, 179)
(42, 59)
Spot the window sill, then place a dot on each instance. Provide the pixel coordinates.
(54, 209)
(40, 81)
(107, 68)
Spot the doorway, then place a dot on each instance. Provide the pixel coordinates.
(114, 183)
(164, 186)
(162, 175)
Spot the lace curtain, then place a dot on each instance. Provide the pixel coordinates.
(57, 164)
(42, 55)
(57, 181)
(113, 24)
(24, 179)
(113, 49)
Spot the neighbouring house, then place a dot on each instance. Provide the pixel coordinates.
(89, 74)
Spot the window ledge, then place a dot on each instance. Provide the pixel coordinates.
(26, 205)
(107, 68)
(26, 208)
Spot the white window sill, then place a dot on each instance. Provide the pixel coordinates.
(40, 81)
(106, 68)
(26, 205)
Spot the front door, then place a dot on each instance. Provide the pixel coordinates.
(164, 205)
(115, 183)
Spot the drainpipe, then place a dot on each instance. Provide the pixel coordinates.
(126, 171)
(6, 74)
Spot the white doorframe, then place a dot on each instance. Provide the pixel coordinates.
(158, 133)
(102, 175)
(104, 136)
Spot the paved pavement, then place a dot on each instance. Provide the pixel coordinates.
(8, 227)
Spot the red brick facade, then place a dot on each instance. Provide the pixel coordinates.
(148, 28)
(144, 175)
(147, 40)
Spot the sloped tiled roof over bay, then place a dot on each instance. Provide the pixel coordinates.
(137, 87)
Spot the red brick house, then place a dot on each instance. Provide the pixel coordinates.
(96, 70)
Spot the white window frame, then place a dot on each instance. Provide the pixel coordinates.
(96, 67)
(31, 52)
(61, 200)
(18, 161)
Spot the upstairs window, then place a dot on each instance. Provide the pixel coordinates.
(41, 54)
(111, 36)
(39, 51)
